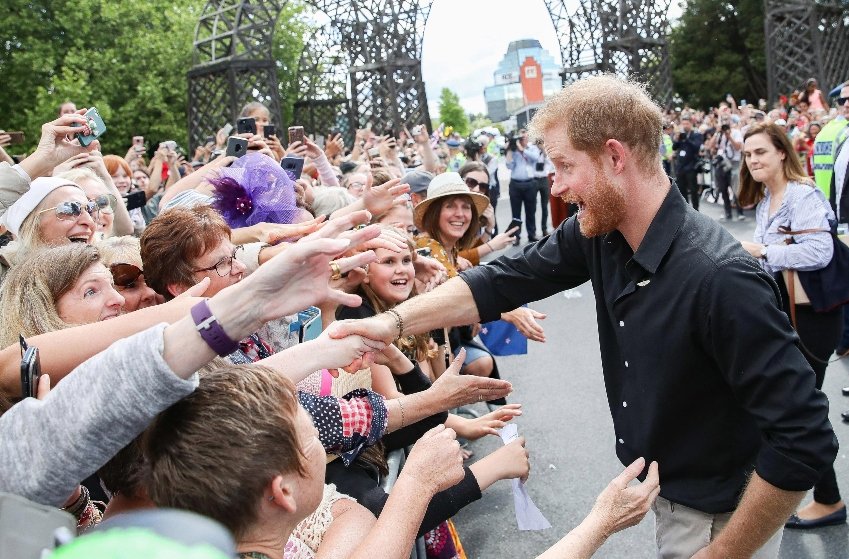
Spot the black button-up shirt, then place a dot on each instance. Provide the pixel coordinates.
(700, 364)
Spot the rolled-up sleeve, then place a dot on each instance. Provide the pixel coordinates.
(554, 264)
(755, 349)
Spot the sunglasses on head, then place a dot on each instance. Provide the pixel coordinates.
(70, 211)
(472, 183)
(125, 275)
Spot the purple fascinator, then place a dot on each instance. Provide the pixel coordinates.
(254, 189)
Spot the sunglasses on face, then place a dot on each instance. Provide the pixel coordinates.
(70, 211)
(472, 183)
(105, 203)
(125, 275)
(842, 100)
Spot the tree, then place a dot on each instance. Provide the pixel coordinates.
(451, 113)
(128, 59)
(717, 48)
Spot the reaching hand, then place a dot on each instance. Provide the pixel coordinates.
(513, 460)
(463, 264)
(350, 353)
(297, 149)
(380, 199)
(490, 423)
(54, 146)
(502, 240)
(458, 390)
(620, 505)
(429, 272)
(525, 320)
(273, 233)
(334, 147)
(435, 461)
(5, 139)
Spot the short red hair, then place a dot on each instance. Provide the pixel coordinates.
(112, 163)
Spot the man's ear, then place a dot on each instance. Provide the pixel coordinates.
(616, 154)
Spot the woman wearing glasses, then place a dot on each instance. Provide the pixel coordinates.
(122, 255)
(114, 219)
(54, 211)
(476, 177)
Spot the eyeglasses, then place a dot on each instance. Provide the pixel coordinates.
(472, 183)
(223, 267)
(125, 275)
(70, 211)
(842, 100)
(356, 185)
(106, 203)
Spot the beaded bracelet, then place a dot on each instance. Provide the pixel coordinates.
(398, 321)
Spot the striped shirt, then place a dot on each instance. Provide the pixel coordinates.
(803, 207)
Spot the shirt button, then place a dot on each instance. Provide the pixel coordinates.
(621, 323)
(621, 441)
(626, 363)
(624, 404)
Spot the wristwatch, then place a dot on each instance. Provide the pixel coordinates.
(763, 252)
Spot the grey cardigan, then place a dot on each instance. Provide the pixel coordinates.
(47, 447)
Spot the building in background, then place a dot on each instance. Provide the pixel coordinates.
(525, 77)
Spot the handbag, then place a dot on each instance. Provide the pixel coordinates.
(824, 289)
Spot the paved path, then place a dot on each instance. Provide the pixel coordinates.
(570, 436)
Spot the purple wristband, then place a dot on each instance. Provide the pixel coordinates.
(211, 331)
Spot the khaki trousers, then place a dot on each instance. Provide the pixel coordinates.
(682, 531)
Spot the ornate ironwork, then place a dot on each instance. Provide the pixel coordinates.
(625, 37)
(804, 40)
(364, 66)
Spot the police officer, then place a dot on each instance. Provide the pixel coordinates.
(831, 136)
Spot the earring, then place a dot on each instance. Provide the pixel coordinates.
(270, 498)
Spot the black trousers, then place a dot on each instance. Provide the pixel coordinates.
(723, 185)
(819, 334)
(689, 187)
(544, 194)
(524, 193)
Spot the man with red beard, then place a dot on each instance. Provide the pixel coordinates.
(700, 364)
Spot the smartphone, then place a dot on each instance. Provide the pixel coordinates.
(138, 143)
(17, 138)
(424, 251)
(134, 200)
(170, 145)
(244, 125)
(30, 369)
(373, 152)
(226, 129)
(310, 320)
(416, 130)
(93, 129)
(293, 165)
(269, 130)
(515, 223)
(236, 146)
(296, 134)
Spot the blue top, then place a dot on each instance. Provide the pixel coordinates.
(523, 164)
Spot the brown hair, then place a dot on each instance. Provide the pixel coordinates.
(31, 289)
(752, 191)
(430, 224)
(380, 175)
(600, 108)
(473, 166)
(173, 239)
(215, 451)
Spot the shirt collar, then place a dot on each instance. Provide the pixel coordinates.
(662, 231)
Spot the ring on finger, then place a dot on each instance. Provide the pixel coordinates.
(336, 271)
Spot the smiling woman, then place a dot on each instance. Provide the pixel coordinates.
(56, 288)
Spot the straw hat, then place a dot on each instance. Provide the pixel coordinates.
(443, 186)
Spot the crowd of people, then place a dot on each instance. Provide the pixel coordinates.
(228, 337)
(183, 314)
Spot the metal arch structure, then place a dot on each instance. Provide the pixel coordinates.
(804, 40)
(232, 64)
(364, 66)
(624, 37)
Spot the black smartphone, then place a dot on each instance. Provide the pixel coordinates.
(515, 223)
(134, 200)
(237, 147)
(424, 251)
(30, 369)
(246, 125)
(293, 165)
(269, 130)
